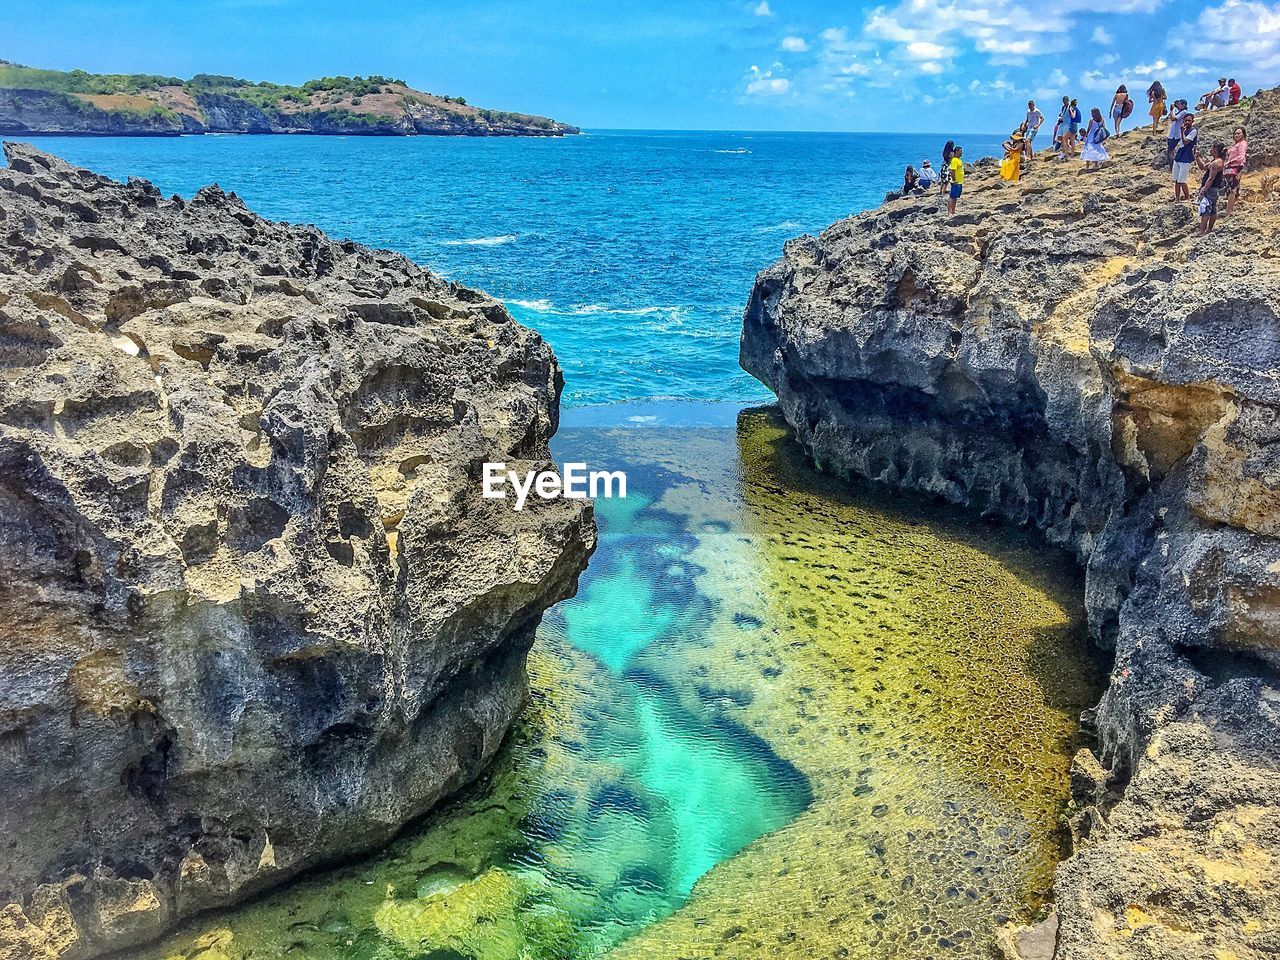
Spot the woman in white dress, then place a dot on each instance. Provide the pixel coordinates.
(1094, 153)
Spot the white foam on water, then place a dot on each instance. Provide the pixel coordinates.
(484, 241)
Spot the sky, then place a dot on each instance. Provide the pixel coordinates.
(914, 65)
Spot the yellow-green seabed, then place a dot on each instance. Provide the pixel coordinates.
(783, 717)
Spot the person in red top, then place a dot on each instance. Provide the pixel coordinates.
(1233, 89)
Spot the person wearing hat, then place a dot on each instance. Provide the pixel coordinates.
(1014, 148)
(928, 176)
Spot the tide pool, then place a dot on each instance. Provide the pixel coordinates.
(781, 716)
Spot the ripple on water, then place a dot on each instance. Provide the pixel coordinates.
(780, 717)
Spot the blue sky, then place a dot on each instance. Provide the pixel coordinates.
(914, 65)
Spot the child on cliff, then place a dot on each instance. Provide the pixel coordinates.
(957, 179)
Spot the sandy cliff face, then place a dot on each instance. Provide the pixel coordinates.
(1065, 353)
(254, 614)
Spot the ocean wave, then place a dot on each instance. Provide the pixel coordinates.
(739, 150)
(484, 241)
(779, 227)
(593, 309)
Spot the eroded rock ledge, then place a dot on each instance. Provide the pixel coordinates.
(1066, 354)
(254, 614)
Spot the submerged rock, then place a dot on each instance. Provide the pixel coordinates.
(256, 614)
(1065, 353)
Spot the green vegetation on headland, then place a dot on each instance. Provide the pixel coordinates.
(49, 102)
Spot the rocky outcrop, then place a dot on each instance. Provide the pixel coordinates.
(29, 113)
(1065, 353)
(254, 613)
(175, 109)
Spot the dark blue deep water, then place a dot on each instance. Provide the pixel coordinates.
(632, 252)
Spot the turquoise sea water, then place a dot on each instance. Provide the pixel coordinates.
(661, 741)
(632, 252)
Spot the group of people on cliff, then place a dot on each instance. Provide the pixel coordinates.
(1221, 168)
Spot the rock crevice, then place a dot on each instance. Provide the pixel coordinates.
(256, 615)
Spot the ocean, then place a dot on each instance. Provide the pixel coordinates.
(632, 252)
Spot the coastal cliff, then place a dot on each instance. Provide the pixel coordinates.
(256, 614)
(1065, 353)
(36, 102)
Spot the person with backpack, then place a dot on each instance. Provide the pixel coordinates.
(1156, 96)
(1094, 154)
(1184, 156)
(1121, 106)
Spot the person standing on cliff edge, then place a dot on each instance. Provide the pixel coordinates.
(1035, 119)
(957, 179)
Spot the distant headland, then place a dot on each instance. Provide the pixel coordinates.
(35, 102)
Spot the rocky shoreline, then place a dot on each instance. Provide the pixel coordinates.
(257, 615)
(52, 103)
(1066, 354)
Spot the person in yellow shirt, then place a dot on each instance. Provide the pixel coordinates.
(957, 179)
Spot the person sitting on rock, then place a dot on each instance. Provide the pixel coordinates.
(1184, 156)
(1014, 148)
(1211, 187)
(1215, 98)
(928, 176)
(1233, 92)
(910, 180)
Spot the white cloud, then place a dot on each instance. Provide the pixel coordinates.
(926, 50)
(1237, 31)
(763, 9)
(1005, 31)
(931, 67)
(856, 70)
(1101, 36)
(795, 44)
(762, 83)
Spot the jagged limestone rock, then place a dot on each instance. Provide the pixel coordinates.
(1065, 353)
(255, 613)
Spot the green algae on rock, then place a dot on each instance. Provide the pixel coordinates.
(766, 761)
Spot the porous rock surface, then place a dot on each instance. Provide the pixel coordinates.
(254, 613)
(1065, 353)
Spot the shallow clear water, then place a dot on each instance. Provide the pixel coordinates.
(631, 252)
(780, 713)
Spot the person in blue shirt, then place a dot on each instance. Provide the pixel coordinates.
(1184, 156)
